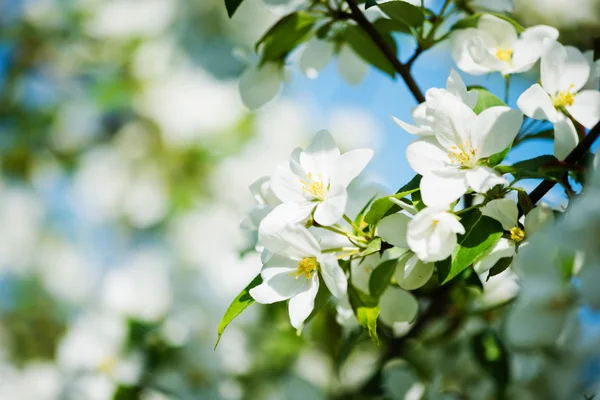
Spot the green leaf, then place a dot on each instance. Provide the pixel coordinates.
(349, 342)
(366, 309)
(497, 158)
(481, 233)
(545, 134)
(499, 267)
(381, 277)
(373, 247)
(283, 37)
(362, 45)
(232, 6)
(538, 167)
(524, 201)
(485, 100)
(518, 27)
(389, 25)
(473, 20)
(403, 12)
(237, 306)
(370, 3)
(384, 206)
(492, 355)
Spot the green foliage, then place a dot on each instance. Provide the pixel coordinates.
(237, 306)
(497, 158)
(485, 100)
(381, 277)
(384, 206)
(404, 13)
(524, 201)
(362, 45)
(492, 355)
(541, 167)
(232, 6)
(366, 309)
(500, 266)
(373, 247)
(472, 21)
(283, 37)
(481, 233)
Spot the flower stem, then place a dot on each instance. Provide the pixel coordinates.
(506, 87)
(339, 249)
(353, 225)
(343, 233)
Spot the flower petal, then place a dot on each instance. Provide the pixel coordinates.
(494, 130)
(279, 287)
(259, 85)
(586, 108)
(530, 46)
(285, 184)
(502, 31)
(453, 118)
(332, 209)
(504, 211)
(565, 136)
(349, 165)
(315, 56)
(552, 66)
(456, 86)
(426, 155)
(541, 215)
(397, 305)
(333, 275)
(441, 189)
(413, 273)
(277, 234)
(577, 70)
(320, 155)
(302, 304)
(502, 249)
(482, 179)
(350, 66)
(462, 42)
(393, 229)
(413, 129)
(537, 104)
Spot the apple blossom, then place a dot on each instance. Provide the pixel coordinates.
(266, 201)
(495, 46)
(454, 159)
(293, 272)
(318, 53)
(317, 178)
(259, 84)
(565, 71)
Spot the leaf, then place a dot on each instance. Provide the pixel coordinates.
(524, 201)
(485, 100)
(403, 12)
(232, 6)
(538, 167)
(366, 309)
(362, 45)
(348, 344)
(492, 355)
(481, 233)
(497, 158)
(545, 134)
(500, 266)
(370, 3)
(286, 35)
(373, 247)
(384, 206)
(237, 306)
(389, 25)
(518, 27)
(381, 277)
(473, 20)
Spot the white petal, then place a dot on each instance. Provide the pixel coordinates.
(279, 287)
(441, 189)
(432, 234)
(320, 156)
(541, 215)
(258, 85)
(426, 155)
(576, 72)
(302, 304)
(333, 275)
(393, 229)
(397, 305)
(283, 238)
(502, 31)
(453, 118)
(315, 56)
(420, 117)
(502, 249)
(413, 129)
(552, 66)
(530, 46)
(537, 104)
(349, 165)
(586, 108)
(333, 208)
(482, 179)
(494, 130)
(412, 274)
(461, 41)
(593, 82)
(504, 211)
(286, 185)
(456, 86)
(350, 66)
(565, 136)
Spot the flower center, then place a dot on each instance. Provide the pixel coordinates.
(307, 266)
(315, 188)
(503, 54)
(517, 234)
(107, 365)
(564, 98)
(463, 154)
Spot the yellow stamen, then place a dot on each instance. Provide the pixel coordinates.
(564, 98)
(313, 187)
(107, 365)
(307, 266)
(517, 234)
(504, 54)
(463, 154)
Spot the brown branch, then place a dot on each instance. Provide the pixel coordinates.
(402, 69)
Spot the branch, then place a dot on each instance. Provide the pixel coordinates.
(402, 69)
(574, 156)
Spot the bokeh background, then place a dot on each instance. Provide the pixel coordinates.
(125, 159)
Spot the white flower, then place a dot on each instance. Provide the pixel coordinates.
(422, 114)
(454, 159)
(398, 309)
(266, 201)
(566, 73)
(259, 84)
(506, 212)
(317, 178)
(495, 46)
(292, 272)
(432, 233)
(318, 53)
